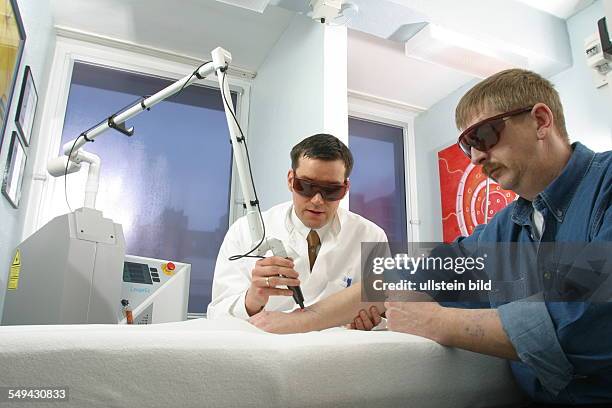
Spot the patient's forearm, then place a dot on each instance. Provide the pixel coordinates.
(478, 330)
(338, 309)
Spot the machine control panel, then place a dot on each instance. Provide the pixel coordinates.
(138, 273)
(155, 288)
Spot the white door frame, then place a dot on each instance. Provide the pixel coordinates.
(377, 109)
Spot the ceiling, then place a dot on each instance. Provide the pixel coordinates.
(379, 68)
(381, 28)
(378, 32)
(561, 8)
(188, 27)
(250, 28)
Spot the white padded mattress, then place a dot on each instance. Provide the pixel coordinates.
(229, 363)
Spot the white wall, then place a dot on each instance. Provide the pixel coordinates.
(299, 90)
(434, 130)
(39, 46)
(587, 111)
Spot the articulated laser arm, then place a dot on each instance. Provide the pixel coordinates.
(74, 153)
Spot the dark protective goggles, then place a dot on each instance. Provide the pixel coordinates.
(485, 134)
(329, 192)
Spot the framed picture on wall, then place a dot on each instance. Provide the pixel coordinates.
(12, 40)
(26, 108)
(13, 171)
(469, 198)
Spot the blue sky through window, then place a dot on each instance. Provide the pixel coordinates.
(378, 189)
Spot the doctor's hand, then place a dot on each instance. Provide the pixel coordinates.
(366, 320)
(265, 279)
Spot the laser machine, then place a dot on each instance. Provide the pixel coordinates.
(74, 269)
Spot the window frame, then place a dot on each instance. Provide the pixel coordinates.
(388, 112)
(114, 55)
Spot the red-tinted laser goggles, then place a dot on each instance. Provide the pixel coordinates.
(329, 192)
(485, 134)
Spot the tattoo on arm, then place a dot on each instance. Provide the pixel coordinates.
(474, 328)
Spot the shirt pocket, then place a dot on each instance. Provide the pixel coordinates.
(507, 291)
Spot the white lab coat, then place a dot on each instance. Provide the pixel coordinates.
(337, 265)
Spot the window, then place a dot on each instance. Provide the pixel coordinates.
(169, 184)
(378, 188)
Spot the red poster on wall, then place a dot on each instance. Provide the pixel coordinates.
(463, 188)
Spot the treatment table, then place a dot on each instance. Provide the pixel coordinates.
(229, 363)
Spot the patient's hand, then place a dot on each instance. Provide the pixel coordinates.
(283, 323)
(366, 320)
(422, 316)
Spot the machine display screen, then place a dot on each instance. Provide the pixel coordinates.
(136, 273)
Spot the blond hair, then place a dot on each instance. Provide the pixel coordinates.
(508, 90)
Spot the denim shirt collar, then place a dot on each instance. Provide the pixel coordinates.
(558, 195)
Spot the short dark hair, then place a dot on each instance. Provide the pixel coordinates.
(322, 146)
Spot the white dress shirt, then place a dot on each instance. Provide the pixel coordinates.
(337, 266)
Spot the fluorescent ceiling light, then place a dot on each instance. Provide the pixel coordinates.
(441, 46)
(255, 5)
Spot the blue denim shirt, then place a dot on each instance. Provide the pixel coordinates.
(565, 348)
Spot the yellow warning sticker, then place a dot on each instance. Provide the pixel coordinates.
(17, 259)
(13, 280)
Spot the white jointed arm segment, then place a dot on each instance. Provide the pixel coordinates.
(59, 166)
(119, 120)
(221, 60)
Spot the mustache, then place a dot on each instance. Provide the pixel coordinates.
(489, 168)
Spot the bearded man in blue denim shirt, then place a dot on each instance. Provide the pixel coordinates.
(557, 336)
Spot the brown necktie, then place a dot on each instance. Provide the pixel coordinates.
(313, 245)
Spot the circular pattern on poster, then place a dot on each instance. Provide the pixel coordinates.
(471, 203)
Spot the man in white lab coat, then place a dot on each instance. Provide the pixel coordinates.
(322, 240)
